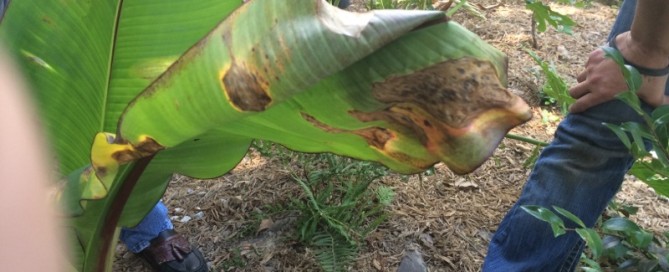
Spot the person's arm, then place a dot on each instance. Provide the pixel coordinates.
(29, 226)
(649, 39)
(646, 45)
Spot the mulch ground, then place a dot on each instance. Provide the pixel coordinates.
(446, 217)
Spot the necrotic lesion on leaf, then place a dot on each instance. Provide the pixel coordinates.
(246, 90)
(453, 91)
(457, 109)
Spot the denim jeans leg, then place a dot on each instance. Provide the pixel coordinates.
(581, 170)
(139, 237)
(624, 19)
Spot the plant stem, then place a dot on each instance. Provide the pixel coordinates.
(526, 139)
(117, 205)
(535, 43)
(656, 138)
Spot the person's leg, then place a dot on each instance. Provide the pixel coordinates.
(139, 237)
(581, 170)
(342, 4)
(155, 241)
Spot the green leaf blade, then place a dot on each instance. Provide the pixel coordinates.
(543, 214)
(69, 80)
(593, 240)
(620, 224)
(86, 60)
(570, 216)
(654, 174)
(279, 43)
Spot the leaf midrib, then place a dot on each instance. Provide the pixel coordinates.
(110, 63)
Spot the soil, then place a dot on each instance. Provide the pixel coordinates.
(447, 218)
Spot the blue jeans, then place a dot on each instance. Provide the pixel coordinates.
(139, 237)
(581, 171)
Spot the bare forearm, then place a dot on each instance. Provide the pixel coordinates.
(650, 33)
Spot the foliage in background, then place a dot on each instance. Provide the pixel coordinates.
(554, 90)
(616, 242)
(543, 15)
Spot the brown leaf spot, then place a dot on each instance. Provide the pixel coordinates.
(375, 136)
(453, 91)
(149, 146)
(320, 125)
(245, 90)
(124, 156)
(47, 20)
(448, 107)
(145, 148)
(101, 171)
(401, 117)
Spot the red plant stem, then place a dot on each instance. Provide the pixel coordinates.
(117, 205)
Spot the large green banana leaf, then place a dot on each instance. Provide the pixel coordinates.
(443, 102)
(304, 75)
(86, 60)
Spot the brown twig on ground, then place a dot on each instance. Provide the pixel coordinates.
(535, 43)
(489, 7)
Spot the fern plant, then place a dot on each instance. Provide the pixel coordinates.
(332, 252)
(337, 207)
(338, 210)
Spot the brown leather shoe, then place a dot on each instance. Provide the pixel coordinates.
(171, 252)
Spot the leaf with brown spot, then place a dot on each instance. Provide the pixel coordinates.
(249, 63)
(447, 103)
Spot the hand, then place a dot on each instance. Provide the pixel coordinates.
(602, 79)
